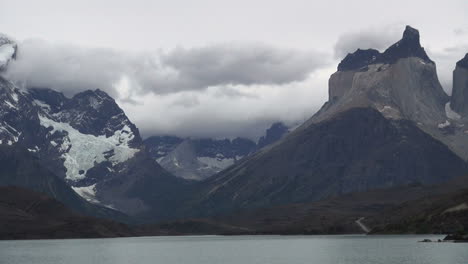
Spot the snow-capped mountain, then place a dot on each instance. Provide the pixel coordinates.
(198, 159)
(89, 122)
(87, 141)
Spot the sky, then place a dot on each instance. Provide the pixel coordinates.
(214, 68)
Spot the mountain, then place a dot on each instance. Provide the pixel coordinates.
(198, 159)
(385, 125)
(274, 133)
(88, 142)
(26, 214)
(459, 100)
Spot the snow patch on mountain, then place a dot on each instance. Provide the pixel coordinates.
(444, 125)
(82, 151)
(42, 105)
(87, 192)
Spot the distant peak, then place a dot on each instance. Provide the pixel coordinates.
(463, 62)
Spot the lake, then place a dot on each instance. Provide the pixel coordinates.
(347, 249)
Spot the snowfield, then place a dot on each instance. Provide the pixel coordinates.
(82, 151)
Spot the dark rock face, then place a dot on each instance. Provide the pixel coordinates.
(408, 46)
(459, 99)
(356, 151)
(359, 59)
(273, 134)
(463, 63)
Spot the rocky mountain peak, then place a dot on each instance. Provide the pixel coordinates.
(52, 100)
(411, 35)
(408, 46)
(90, 112)
(463, 63)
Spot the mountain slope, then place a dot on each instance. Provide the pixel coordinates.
(26, 214)
(434, 213)
(380, 128)
(21, 168)
(357, 150)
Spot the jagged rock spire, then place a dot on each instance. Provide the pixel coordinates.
(408, 46)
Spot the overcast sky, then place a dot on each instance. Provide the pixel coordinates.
(213, 68)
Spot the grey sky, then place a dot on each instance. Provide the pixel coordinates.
(217, 68)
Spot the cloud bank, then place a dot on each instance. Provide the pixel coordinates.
(221, 90)
(71, 69)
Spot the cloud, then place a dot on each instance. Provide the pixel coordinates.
(212, 113)
(460, 31)
(72, 69)
(379, 39)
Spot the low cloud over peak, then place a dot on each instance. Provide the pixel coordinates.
(370, 38)
(220, 90)
(72, 69)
